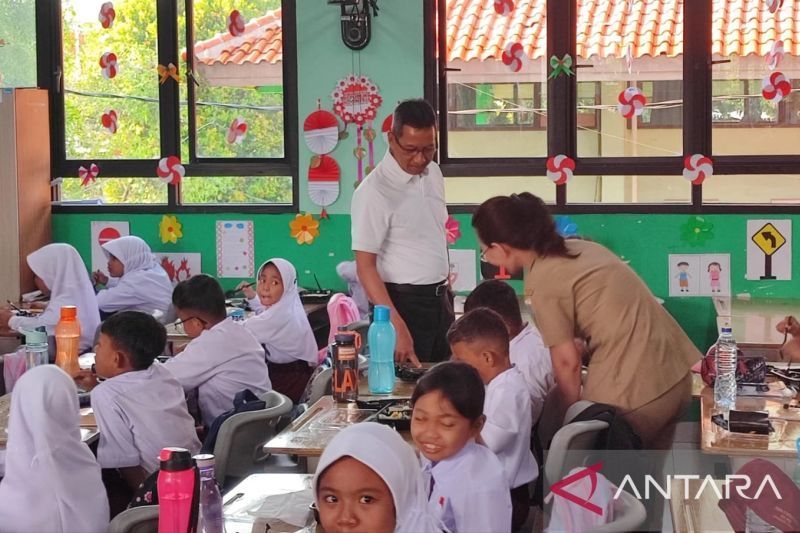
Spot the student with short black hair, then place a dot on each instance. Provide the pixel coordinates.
(480, 339)
(139, 406)
(526, 348)
(467, 489)
(223, 357)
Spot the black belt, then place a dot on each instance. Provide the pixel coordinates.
(433, 290)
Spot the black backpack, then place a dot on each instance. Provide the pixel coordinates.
(243, 402)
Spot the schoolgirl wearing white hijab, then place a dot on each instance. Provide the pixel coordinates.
(52, 480)
(60, 269)
(282, 327)
(137, 282)
(369, 479)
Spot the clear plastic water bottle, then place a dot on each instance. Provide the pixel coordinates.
(210, 515)
(36, 349)
(725, 383)
(382, 341)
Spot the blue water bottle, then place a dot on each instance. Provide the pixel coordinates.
(382, 340)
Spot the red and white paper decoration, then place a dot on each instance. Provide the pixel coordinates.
(631, 102)
(321, 131)
(170, 170)
(774, 5)
(236, 23)
(109, 121)
(697, 167)
(775, 87)
(237, 131)
(775, 55)
(513, 56)
(560, 169)
(108, 63)
(356, 100)
(323, 181)
(503, 7)
(88, 174)
(386, 127)
(107, 15)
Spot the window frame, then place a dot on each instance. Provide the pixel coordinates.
(49, 30)
(562, 134)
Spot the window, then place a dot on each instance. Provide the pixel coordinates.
(502, 77)
(17, 43)
(169, 79)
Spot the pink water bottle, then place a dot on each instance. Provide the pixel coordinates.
(177, 492)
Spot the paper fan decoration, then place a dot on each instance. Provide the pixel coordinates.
(386, 127)
(356, 100)
(321, 131)
(323, 181)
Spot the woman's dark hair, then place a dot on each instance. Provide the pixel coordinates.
(521, 221)
(202, 294)
(459, 383)
(140, 336)
(417, 113)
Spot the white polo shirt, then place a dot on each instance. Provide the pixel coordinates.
(401, 217)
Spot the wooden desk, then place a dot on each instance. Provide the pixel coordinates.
(691, 514)
(753, 322)
(88, 425)
(254, 489)
(715, 440)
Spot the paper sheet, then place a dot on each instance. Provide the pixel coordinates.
(463, 270)
(699, 275)
(180, 266)
(235, 257)
(769, 250)
(101, 233)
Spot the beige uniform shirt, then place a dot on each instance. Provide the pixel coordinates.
(638, 350)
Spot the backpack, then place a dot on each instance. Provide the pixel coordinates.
(342, 310)
(243, 402)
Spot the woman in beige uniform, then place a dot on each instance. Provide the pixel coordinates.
(641, 358)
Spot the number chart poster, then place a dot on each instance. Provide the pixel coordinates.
(235, 256)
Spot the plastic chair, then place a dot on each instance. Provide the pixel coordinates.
(320, 386)
(238, 447)
(572, 436)
(137, 520)
(629, 514)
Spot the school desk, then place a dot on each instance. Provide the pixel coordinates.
(88, 425)
(241, 504)
(695, 510)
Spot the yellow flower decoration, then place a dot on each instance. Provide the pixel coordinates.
(170, 229)
(304, 228)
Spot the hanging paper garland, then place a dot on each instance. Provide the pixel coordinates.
(304, 228)
(109, 121)
(386, 127)
(631, 102)
(321, 131)
(236, 23)
(356, 100)
(775, 55)
(108, 64)
(107, 15)
(170, 229)
(697, 167)
(170, 170)
(323, 181)
(775, 87)
(560, 168)
(88, 174)
(237, 131)
(513, 56)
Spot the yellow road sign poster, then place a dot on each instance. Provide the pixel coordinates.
(768, 239)
(769, 249)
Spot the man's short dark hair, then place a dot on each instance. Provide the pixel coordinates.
(480, 325)
(139, 335)
(416, 113)
(200, 294)
(499, 297)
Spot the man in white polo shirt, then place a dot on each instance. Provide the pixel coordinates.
(398, 217)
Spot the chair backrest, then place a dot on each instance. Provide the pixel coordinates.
(573, 436)
(629, 514)
(237, 451)
(320, 386)
(142, 519)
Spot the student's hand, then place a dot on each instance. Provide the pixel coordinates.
(85, 380)
(247, 289)
(789, 324)
(404, 349)
(99, 278)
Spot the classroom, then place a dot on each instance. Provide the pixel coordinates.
(399, 266)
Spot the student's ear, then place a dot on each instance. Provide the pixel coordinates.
(121, 360)
(477, 426)
(489, 357)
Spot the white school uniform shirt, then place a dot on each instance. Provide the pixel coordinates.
(52, 481)
(469, 492)
(61, 268)
(507, 431)
(532, 358)
(384, 451)
(283, 327)
(222, 361)
(139, 413)
(144, 286)
(401, 217)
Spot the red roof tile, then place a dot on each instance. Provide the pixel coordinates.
(605, 29)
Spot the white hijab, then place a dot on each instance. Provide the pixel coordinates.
(132, 252)
(52, 480)
(62, 270)
(384, 451)
(283, 327)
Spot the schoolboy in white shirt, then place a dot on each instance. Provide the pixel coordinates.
(480, 339)
(223, 357)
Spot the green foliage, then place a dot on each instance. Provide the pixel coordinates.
(133, 94)
(18, 47)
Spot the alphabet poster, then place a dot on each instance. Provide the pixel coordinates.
(699, 275)
(101, 233)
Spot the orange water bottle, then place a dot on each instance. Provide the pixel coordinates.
(68, 340)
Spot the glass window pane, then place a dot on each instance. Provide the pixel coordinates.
(752, 189)
(115, 191)
(132, 94)
(17, 43)
(237, 190)
(745, 122)
(240, 79)
(487, 99)
(476, 190)
(629, 190)
(635, 49)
